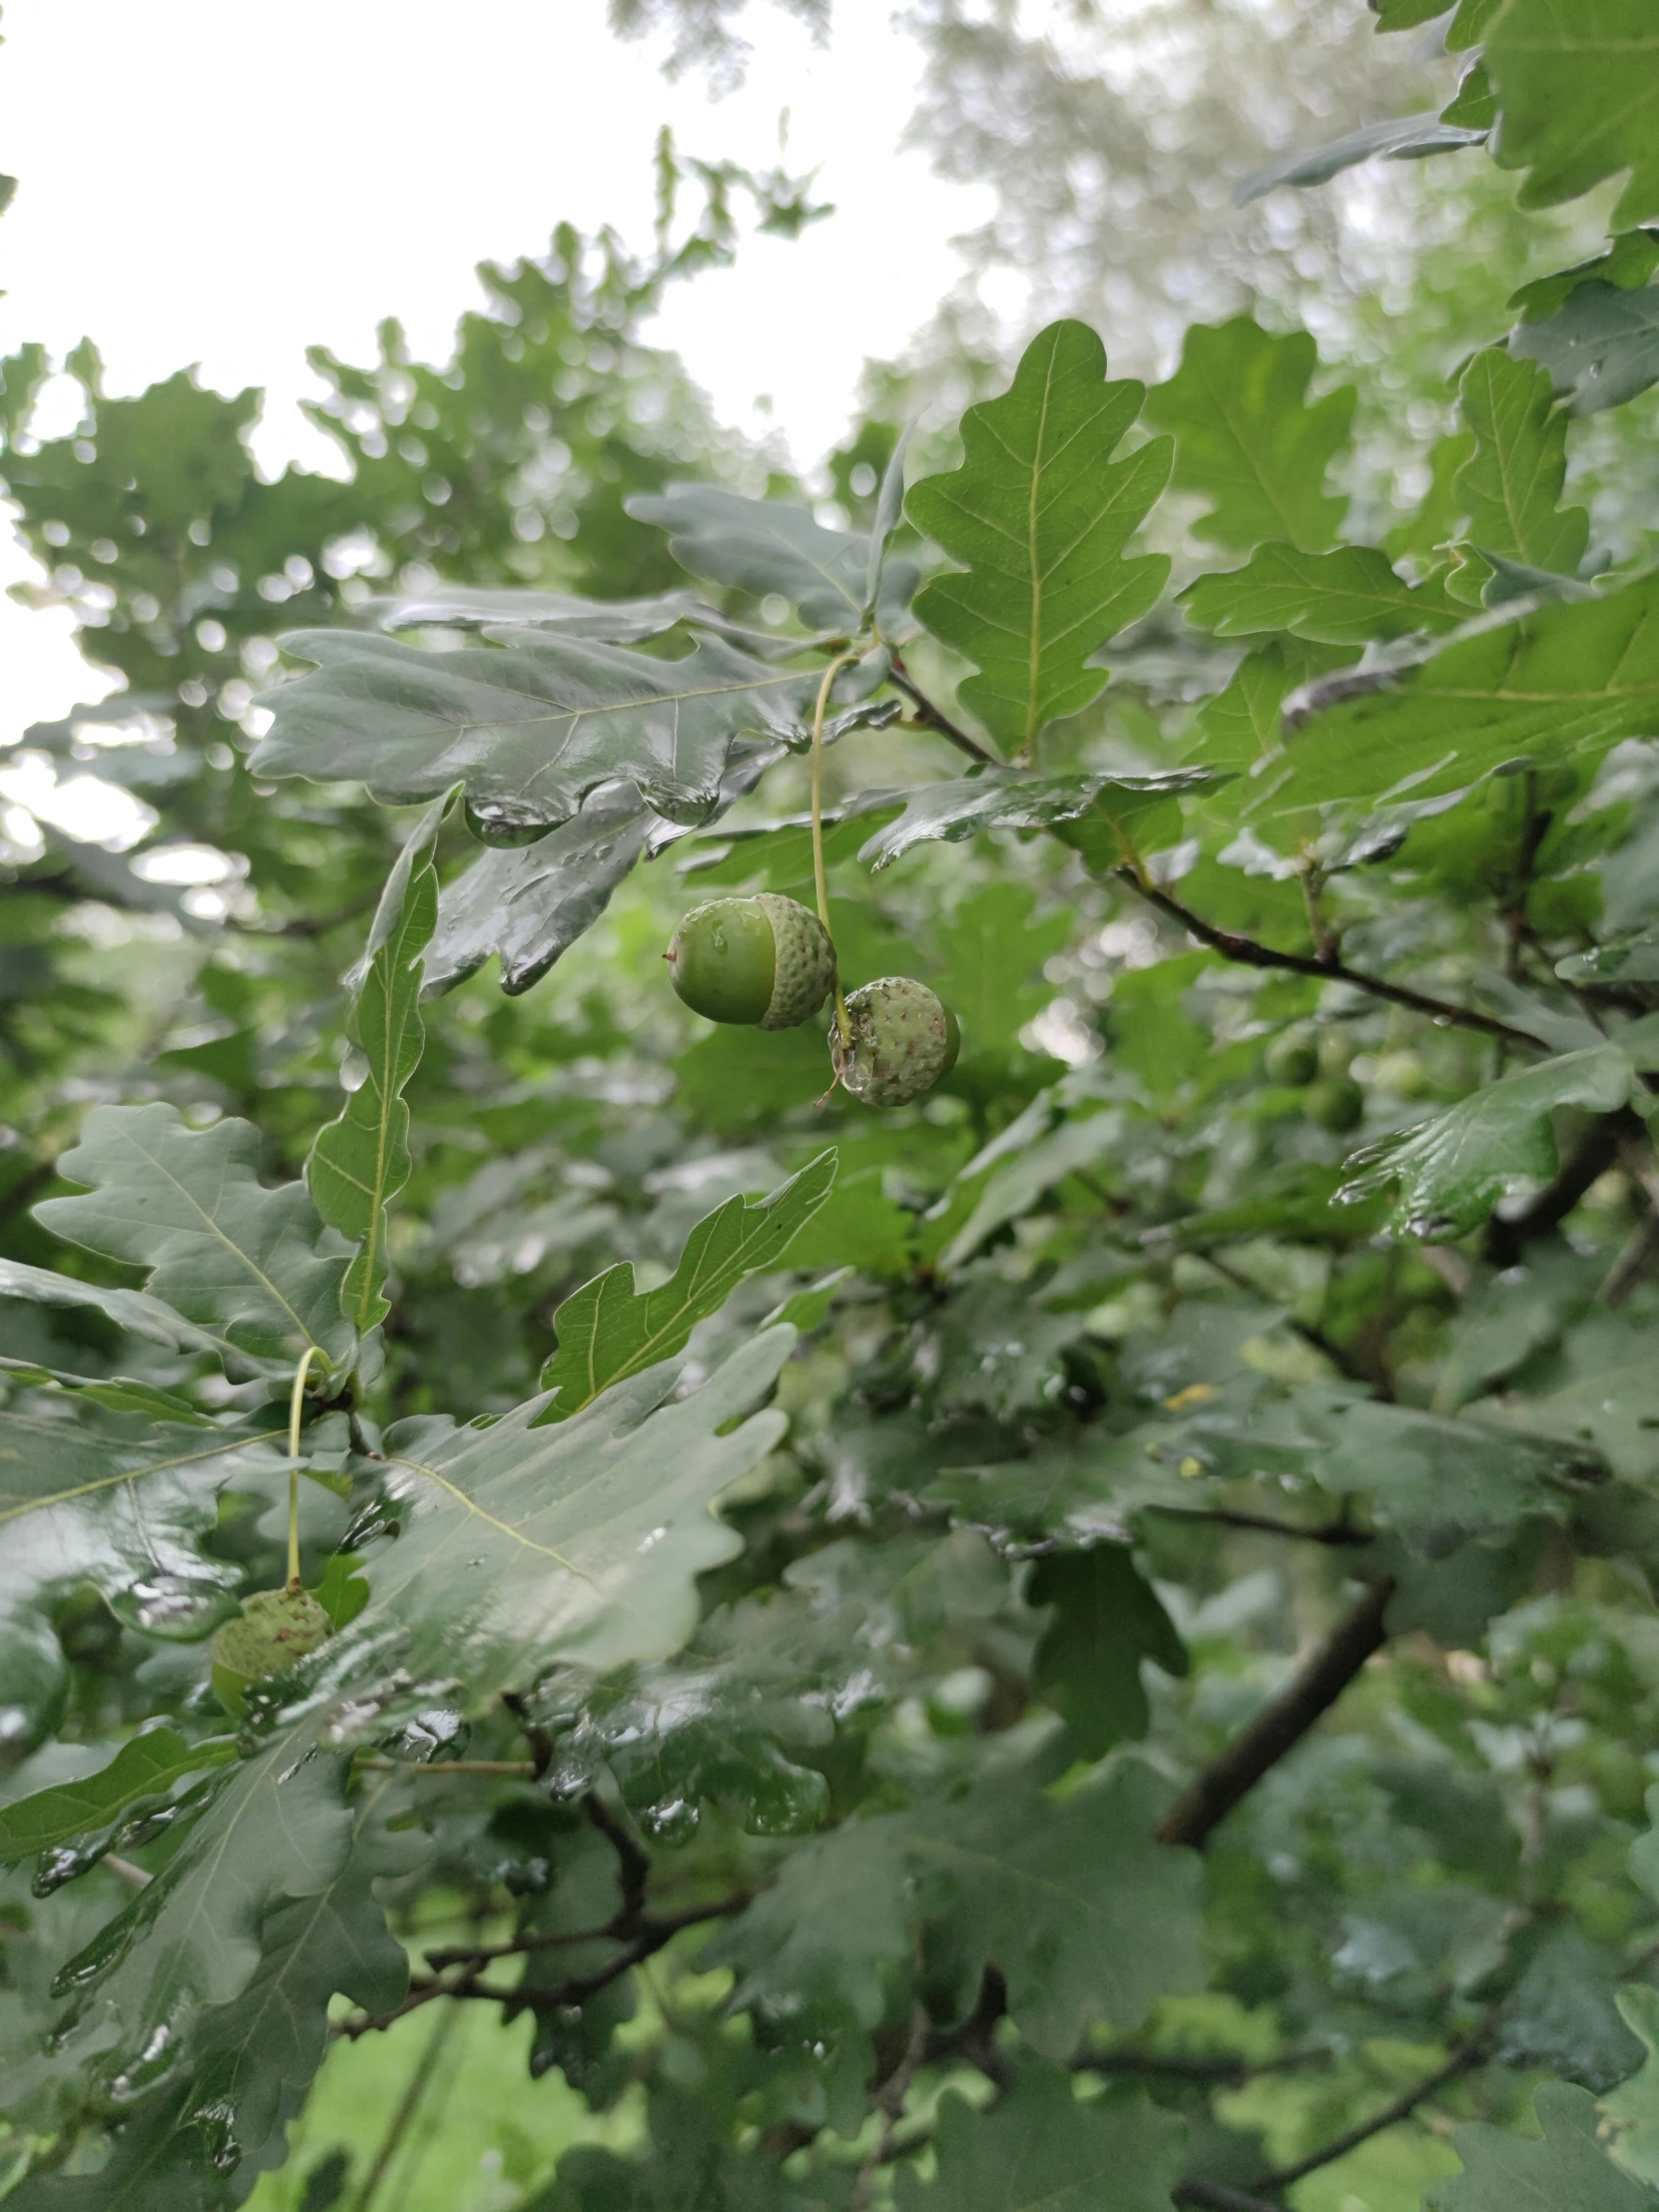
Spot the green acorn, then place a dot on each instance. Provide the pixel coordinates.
(1336, 1103)
(903, 1041)
(277, 1629)
(1293, 1057)
(764, 961)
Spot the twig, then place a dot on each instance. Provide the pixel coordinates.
(1309, 1332)
(1247, 953)
(124, 1871)
(1469, 2053)
(1216, 2196)
(1281, 1726)
(419, 2083)
(890, 2101)
(1176, 2066)
(1595, 1152)
(659, 1927)
(935, 716)
(1337, 1532)
(633, 1867)
(520, 1769)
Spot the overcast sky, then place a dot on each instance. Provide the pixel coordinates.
(226, 181)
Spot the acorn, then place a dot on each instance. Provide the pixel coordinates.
(1293, 1058)
(278, 1628)
(1336, 1103)
(903, 1040)
(767, 962)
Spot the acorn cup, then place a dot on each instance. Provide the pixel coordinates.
(278, 1628)
(765, 963)
(903, 1039)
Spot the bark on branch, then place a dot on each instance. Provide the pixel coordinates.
(1281, 1726)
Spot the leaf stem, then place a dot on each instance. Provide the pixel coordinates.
(844, 1025)
(297, 1405)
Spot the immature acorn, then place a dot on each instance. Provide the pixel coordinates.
(904, 1040)
(277, 1629)
(766, 962)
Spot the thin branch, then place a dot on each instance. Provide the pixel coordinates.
(1595, 1152)
(1468, 2055)
(415, 1768)
(633, 1867)
(937, 719)
(1227, 2073)
(658, 1926)
(418, 2084)
(1216, 2196)
(1308, 1331)
(1337, 1532)
(1281, 1726)
(1247, 953)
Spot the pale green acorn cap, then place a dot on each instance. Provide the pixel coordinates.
(804, 962)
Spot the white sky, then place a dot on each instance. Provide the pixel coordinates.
(226, 181)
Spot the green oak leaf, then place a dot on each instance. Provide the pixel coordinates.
(1405, 138)
(1570, 677)
(237, 1960)
(1039, 514)
(1088, 1917)
(1247, 438)
(1450, 1172)
(524, 1543)
(1601, 347)
(1088, 1661)
(1578, 99)
(1346, 597)
(1004, 798)
(1568, 2171)
(767, 546)
(247, 1263)
(1511, 487)
(151, 1318)
(1044, 2146)
(116, 1502)
(530, 906)
(144, 1770)
(360, 1161)
(608, 1331)
(528, 728)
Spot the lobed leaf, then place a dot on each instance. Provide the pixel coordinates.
(1451, 1171)
(1578, 99)
(608, 1331)
(1567, 2172)
(1006, 798)
(767, 546)
(144, 1770)
(1572, 678)
(524, 1543)
(527, 728)
(246, 1262)
(361, 1160)
(1347, 597)
(1512, 486)
(1405, 138)
(1038, 515)
(1247, 437)
(1042, 2145)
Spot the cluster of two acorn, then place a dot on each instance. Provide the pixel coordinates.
(767, 962)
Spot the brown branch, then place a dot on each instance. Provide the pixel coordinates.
(1281, 1726)
(1216, 2196)
(655, 1926)
(1337, 1532)
(633, 1867)
(937, 719)
(1595, 1152)
(1309, 1332)
(1469, 2053)
(1247, 953)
